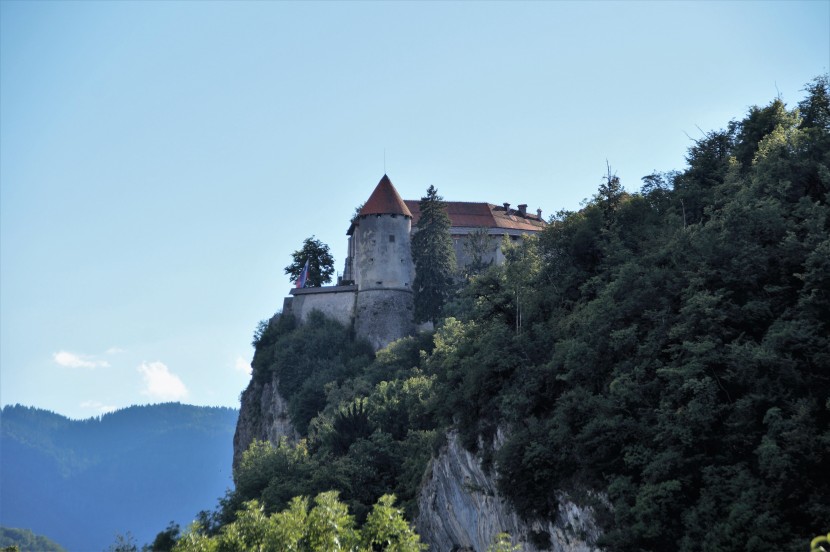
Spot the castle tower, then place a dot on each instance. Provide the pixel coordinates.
(382, 267)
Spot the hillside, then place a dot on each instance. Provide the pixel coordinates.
(136, 469)
(26, 541)
(659, 357)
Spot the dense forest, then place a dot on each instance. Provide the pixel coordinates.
(668, 348)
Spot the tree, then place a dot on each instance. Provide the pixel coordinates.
(478, 246)
(815, 108)
(434, 257)
(320, 263)
(387, 529)
(356, 214)
(609, 195)
(502, 543)
(326, 527)
(166, 540)
(21, 540)
(124, 543)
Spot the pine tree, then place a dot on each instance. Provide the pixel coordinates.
(434, 257)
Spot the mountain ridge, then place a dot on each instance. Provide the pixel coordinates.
(132, 470)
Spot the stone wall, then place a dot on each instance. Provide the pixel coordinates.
(382, 316)
(337, 302)
(383, 256)
(493, 253)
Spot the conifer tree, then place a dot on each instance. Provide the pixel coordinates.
(434, 257)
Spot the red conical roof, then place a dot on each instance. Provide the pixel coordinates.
(385, 200)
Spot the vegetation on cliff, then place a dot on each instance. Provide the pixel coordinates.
(324, 527)
(672, 346)
(371, 430)
(668, 347)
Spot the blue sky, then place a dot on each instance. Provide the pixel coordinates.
(160, 161)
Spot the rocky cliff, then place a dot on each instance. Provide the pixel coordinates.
(263, 415)
(461, 509)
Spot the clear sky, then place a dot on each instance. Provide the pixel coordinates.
(160, 161)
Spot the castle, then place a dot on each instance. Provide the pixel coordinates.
(375, 291)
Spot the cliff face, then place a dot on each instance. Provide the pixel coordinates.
(461, 509)
(263, 415)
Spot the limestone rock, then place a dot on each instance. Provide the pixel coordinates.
(263, 415)
(461, 509)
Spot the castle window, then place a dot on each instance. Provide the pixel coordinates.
(391, 238)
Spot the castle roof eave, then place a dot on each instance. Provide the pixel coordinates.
(482, 215)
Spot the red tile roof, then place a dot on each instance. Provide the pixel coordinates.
(385, 200)
(487, 215)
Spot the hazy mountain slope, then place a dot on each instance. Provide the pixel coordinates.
(81, 482)
(26, 541)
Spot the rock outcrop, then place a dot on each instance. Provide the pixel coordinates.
(263, 415)
(460, 509)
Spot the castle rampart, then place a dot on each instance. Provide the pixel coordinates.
(337, 302)
(377, 297)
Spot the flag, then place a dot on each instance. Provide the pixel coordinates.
(303, 276)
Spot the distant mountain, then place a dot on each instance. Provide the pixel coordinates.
(26, 541)
(81, 482)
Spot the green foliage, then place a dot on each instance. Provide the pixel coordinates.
(386, 529)
(820, 544)
(356, 213)
(326, 527)
(502, 543)
(24, 540)
(123, 543)
(369, 424)
(669, 348)
(673, 347)
(271, 474)
(166, 540)
(305, 359)
(477, 247)
(320, 263)
(351, 422)
(434, 258)
(196, 540)
(259, 333)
